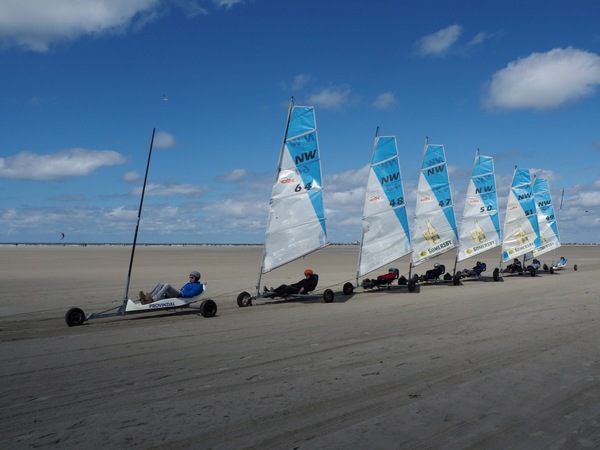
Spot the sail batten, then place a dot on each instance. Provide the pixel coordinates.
(521, 229)
(296, 223)
(434, 230)
(385, 232)
(480, 227)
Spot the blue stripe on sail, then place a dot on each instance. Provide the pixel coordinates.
(388, 174)
(386, 149)
(302, 121)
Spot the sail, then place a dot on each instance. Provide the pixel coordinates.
(296, 223)
(480, 228)
(385, 233)
(434, 230)
(549, 238)
(521, 230)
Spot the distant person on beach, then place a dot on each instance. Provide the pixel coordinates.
(308, 284)
(434, 273)
(515, 267)
(165, 290)
(383, 279)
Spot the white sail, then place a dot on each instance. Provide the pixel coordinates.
(549, 237)
(434, 231)
(521, 230)
(296, 223)
(480, 228)
(385, 233)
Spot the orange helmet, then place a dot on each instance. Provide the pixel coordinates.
(308, 272)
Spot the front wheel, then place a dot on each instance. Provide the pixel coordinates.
(244, 299)
(551, 270)
(74, 317)
(328, 296)
(496, 274)
(575, 267)
(208, 308)
(412, 286)
(456, 280)
(531, 271)
(348, 288)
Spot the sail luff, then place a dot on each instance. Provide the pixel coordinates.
(434, 231)
(296, 222)
(385, 232)
(521, 229)
(548, 225)
(480, 227)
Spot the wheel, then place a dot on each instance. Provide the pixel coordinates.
(348, 289)
(531, 271)
(551, 270)
(456, 280)
(496, 274)
(328, 295)
(244, 299)
(412, 286)
(74, 317)
(208, 308)
(575, 267)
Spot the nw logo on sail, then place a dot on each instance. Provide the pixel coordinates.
(306, 156)
(524, 196)
(434, 170)
(544, 203)
(393, 177)
(484, 189)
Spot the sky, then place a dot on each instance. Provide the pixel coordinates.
(85, 83)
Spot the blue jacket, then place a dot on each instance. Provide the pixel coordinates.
(192, 289)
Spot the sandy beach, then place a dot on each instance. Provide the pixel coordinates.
(495, 365)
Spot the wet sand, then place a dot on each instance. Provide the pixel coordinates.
(495, 365)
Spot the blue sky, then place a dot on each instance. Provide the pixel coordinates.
(85, 82)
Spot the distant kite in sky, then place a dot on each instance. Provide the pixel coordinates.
(165, 98)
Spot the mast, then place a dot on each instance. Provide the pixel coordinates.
(126, 296)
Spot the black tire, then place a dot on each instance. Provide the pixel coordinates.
(531, 271)
(75, 317)
(456, 280)
(348, 289)
(545, 267)
(412, 286)
(208, 308)
(244, 299)
(575, 267)
(551, 270)
(496, 274)
(328, 296)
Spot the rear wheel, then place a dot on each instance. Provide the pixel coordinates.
(456, 280)
(328, 295)
(531, 271)
(74, 317)
(496, 274)
(575, 267)
(551, 270)
(208, 308)
(412, 286)
(348, 289)
(244, 299)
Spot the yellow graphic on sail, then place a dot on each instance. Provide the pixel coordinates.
(477, 233)
(431, 234)
(521, 236)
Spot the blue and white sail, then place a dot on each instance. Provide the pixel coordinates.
(434, 230)
(296, 223)
(549, 237)
(385, 231)
(521, 229)
(480, 228)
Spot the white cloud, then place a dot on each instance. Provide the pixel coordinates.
(74, 162)
(331, 98)
(544, 80)
(235, 176)
(440, 42)
(162, 139)
(131, 177)
(37, 24)
(171, 189)
(385, 100)
(300, 81)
